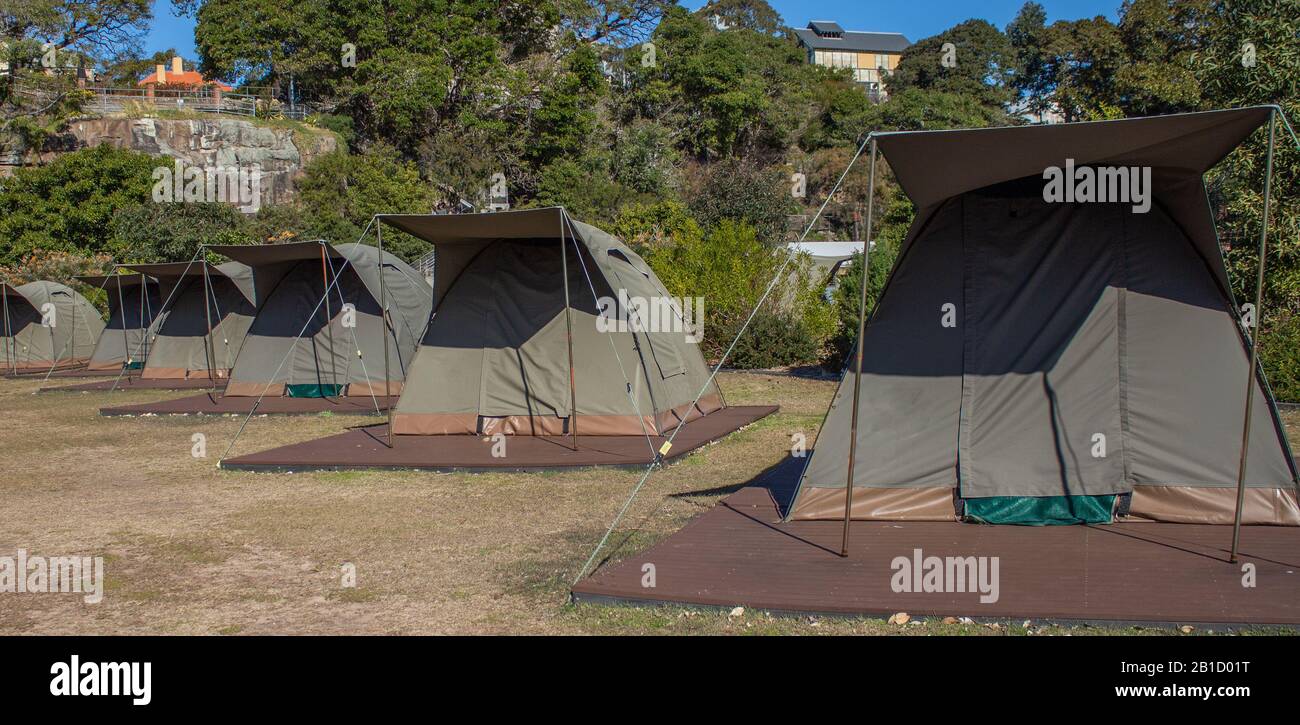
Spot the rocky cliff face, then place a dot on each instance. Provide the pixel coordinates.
(280, 154)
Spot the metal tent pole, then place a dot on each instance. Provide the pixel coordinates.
(383, 311)
(568, 325)
(144, 330)
(1254, 343)
(207, 314)
(121, 306)
(857, 371)
(11, 355)
(329, 326)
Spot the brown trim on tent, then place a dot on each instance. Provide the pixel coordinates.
(932, 503)
(247, 389)
(366, 389)
(1205, 505)
(159, 373)
(43, 365)
(475, 424)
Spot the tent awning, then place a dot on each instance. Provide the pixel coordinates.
(935, 165)
(122, 280)
(175, 270)
(540, 223)
(255, 255)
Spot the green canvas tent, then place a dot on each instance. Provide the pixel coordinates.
(307, 343)
(46, 325)
(1037, 362)
(132, 304)
(496, 356)
(191, 340)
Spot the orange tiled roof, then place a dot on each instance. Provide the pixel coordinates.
(188, 78)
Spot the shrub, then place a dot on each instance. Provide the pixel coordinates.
(730, 268)
(773, 339)
(1280, 356)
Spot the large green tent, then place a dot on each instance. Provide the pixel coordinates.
(319, 331)
(496, 356)
(1034, 361)
(46, 325)
(191, 339)
(133, 303)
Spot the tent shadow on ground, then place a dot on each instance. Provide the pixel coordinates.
(780, 481)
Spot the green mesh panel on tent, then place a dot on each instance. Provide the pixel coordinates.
(313, 390)
(1041, 510)
(134, 365)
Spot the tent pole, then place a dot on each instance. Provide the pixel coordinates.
(10, 355)
(568, 325)
(207, 314)
(143, 304)
(383, 311)
(1254, 343)
(857, 368)
(121, 306)
(329, 327)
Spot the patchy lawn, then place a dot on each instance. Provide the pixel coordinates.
(190, 549)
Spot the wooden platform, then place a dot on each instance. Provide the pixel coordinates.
(138, 384)
(217, 404)
(364, 448)
(739, 553)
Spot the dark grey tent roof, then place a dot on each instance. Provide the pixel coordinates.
(1179, 148)
(170, 274)
(106, 281)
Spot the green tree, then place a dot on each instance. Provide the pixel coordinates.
(742, 191)
(1229, 79)
(339, 193)
(730, 267)
(566, 118)
(69, 205)
(982, 67)
(174, 231)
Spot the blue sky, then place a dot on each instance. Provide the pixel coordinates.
(913, 18)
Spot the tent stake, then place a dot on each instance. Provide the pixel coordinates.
(1254, 343)
(568, 324)
(383, 311)
(857, 370)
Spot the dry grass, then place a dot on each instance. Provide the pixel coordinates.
(190, 549)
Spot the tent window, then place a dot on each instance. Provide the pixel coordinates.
(618, 254)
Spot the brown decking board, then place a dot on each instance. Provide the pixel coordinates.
(364, 448)
(739, 553)
(139, 384)
(217, 404)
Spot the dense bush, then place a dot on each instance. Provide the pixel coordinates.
(1280, 356)
(68, 205)
(731, 269)
(773, 339)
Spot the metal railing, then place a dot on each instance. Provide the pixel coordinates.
(196, 100)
